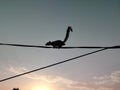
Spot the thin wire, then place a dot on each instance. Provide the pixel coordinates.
(84, 47)
(51, 65)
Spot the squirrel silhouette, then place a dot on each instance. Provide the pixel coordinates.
(60, 43)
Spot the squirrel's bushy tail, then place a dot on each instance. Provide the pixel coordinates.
(67, 33)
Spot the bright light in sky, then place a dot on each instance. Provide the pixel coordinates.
(41, 88)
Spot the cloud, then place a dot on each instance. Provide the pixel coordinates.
(106, 82)
(113, 78)
(34, 76)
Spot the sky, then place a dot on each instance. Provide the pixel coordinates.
(35, 22)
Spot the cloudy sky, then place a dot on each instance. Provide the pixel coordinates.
(94, 23)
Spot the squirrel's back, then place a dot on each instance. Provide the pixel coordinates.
(56, 44)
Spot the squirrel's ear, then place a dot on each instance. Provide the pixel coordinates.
(48, 43)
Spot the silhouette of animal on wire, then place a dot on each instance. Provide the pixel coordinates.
(60, 43)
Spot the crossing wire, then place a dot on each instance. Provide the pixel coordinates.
(54, 64)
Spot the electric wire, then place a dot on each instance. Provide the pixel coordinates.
(54, 64)
(83, 47)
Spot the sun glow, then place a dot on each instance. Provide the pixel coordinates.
(41, 88)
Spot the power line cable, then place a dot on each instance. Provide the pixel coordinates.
(51, 65)
(37, 46)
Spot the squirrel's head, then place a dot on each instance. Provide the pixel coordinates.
(48, 43)
(70, 28)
